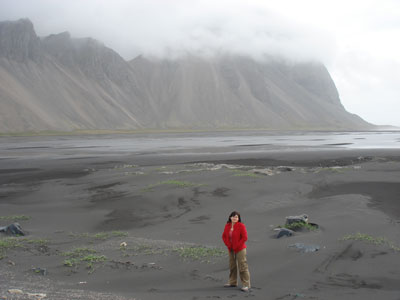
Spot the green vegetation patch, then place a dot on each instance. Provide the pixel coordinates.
(297, 226)
(246, 174)
(99, 235)
(71, 262)
(371, 239)
(80, 255)
(125, 166)
(79, 235)
(118, 233)
(107, 235)
(94, 258)
(145, 249)
(38, 242)
(243, 173)
(176, 183)
(15, 218)
(10, 243)
(200, 253)
(79, 252)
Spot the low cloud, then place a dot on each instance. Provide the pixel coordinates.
(370, 86)
(169, 28)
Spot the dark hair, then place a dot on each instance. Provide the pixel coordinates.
(234, 213)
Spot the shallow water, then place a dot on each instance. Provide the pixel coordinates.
(249, 141)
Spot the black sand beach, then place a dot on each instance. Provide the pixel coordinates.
(79, 208)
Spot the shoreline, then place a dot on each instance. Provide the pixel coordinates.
(95, 132)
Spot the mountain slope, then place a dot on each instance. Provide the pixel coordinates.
(238, 91)
(61, 83)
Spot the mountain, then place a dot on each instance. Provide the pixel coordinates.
(62, 83)
(238, 91)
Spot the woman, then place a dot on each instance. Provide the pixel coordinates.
(234, 237)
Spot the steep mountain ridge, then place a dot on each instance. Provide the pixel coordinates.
(62, 83)
(18, 41)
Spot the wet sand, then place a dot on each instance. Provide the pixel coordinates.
(170, 210)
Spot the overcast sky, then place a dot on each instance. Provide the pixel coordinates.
(358, 40)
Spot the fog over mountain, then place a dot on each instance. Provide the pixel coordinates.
(63, 83)
(167, 29)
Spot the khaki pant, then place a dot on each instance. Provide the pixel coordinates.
(239, 260)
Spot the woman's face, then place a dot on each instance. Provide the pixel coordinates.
(235, 219)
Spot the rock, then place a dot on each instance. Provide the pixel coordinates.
(40, 271)
(283, 232)
(18, 41)
(37, 296)
(12, 229)
(267, 171)
(305, 248)
(297, 219)
(314, 225)
(285, 169)
(16, 291)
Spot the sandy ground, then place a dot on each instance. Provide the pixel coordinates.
(170, 211)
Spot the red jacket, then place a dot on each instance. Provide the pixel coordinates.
(239, 236)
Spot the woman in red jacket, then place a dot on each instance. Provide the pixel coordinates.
(234, 237)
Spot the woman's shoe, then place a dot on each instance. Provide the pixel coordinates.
(245, 289)
(230, 285)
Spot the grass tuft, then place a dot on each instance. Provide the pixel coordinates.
(15, 218)
(10, 243)
(381, 241)
(71, 262)
(79, 252)
(119, 233)
(39, 242)
(99, 235)
(200, 253)
(366, 238)
(91, 258)
(79, 255)
(246, 174)
(295, 226)
(177, 183)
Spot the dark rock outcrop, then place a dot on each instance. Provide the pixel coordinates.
(18, 41)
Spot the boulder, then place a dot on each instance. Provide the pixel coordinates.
(12, 229)
(283, 232)
(305, 248)
(297, 219)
